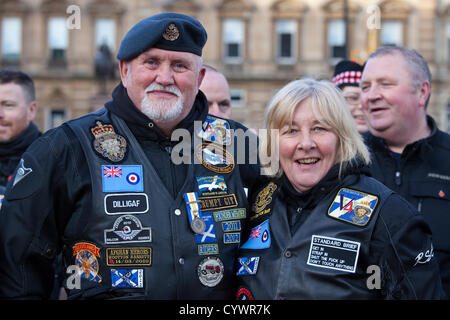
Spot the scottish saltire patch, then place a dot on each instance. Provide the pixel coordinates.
(209, 235)
(215, 130)
(247, 266)
(122, 178)
(259, 237)
(127, 278)
(353, 206)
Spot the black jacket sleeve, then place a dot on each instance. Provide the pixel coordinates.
(36, 207)
(409, 270)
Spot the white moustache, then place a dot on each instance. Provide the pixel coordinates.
(157, 87)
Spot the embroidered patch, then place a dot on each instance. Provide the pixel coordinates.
(108, 143)
(264, 198)
(129, 256)
(130, 203)
(209, 235)
(210, 271)
(259, 237)
(218, 202)
(333, 253)
(86, 255)
(230, 226)
(215, 130)
(214, 158)
(230, 214)
(209, 248)
(127, 229)
(212, 185)
(247, 266)
(353, 206)
(122, 178)
(127, 278)
(231, 237)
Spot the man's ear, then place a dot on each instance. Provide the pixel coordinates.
(201, 75)
(123, 67)
(424, 93)
(32, 110)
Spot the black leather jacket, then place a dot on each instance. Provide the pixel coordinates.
(422, 176)
(103, 191)
(344, 239)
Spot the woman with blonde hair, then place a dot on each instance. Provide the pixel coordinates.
(321, 228)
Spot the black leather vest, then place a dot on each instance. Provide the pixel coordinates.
(138, 241)
(326, 258)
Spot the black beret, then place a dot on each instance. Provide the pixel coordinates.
(347, 73)
(168, 31)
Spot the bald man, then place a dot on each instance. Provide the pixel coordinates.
(217, 91)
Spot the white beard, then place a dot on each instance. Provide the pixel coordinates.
(162, 110)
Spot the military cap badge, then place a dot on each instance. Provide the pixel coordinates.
(171, 33)
(108, 143)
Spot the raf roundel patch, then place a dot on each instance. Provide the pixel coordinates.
(122, 178)
(244, 294)
(353, 206)
(108, 143)
(259, 237)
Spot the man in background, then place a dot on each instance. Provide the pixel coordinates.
(17, 111)
(217, 91)
(410, 154)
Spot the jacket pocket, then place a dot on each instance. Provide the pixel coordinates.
(433, 201)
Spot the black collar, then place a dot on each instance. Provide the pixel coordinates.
(21, 143)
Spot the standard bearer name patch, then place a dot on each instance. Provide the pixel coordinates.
(333, 253)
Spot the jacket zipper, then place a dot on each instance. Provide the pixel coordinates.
(398, 178)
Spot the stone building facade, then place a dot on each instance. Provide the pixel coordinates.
(260, 45)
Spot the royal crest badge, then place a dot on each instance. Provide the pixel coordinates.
(171, 33)
(353, 206)
(108, 143)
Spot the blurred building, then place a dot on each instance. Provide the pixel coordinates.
(259, 44)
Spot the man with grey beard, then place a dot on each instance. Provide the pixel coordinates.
(103, 191)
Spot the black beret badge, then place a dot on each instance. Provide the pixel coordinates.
(108, 143)
(171, 33)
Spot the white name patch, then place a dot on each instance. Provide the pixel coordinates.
(333, 253)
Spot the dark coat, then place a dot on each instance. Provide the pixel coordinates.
(421, 176)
